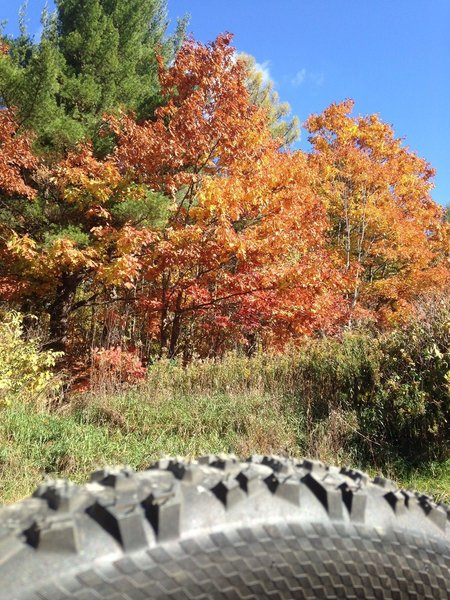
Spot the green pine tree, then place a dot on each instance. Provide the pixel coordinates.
(262, 93)
(94, 56)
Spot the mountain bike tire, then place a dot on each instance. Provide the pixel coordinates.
(221, 528)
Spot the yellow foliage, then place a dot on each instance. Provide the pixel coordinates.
(25, 370)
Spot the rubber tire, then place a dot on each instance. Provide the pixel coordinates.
(218, 528)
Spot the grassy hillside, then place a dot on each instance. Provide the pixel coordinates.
(301, 403)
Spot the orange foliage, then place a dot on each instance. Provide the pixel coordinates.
(251, 259)
(389, 232)
(206, 127)
(244, 251)
(259, 245)
(81, 186)
(16, 157)
(115, 366)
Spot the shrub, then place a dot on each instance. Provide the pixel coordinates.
(377, 397)
(115, 368)
(410, 410)
(26, 371)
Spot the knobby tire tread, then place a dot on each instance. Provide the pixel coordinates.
(221, 528)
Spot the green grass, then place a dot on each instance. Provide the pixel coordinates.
(327, 400)
(432, 479)
(140, 426)
(134, 430)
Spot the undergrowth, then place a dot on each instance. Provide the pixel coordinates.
(377, 402)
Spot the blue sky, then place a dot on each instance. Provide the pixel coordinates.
(391, 56)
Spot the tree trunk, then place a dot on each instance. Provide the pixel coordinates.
(252, 344)
(29, 320)
(176, 326)
(60, 311)
(163, 327)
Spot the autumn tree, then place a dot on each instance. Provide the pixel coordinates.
(16, 163)
(390, 233)
(198, 222)
(243, 251)
(73, 237)
(196, 219)
(66, 242)
(250, 264)
(16, 157)
(76, 236)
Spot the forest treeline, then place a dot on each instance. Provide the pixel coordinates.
(151, 203)
(177, 278)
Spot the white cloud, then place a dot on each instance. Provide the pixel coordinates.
(263, 68)
(299, 78)
(317, 78)
(303, 75)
